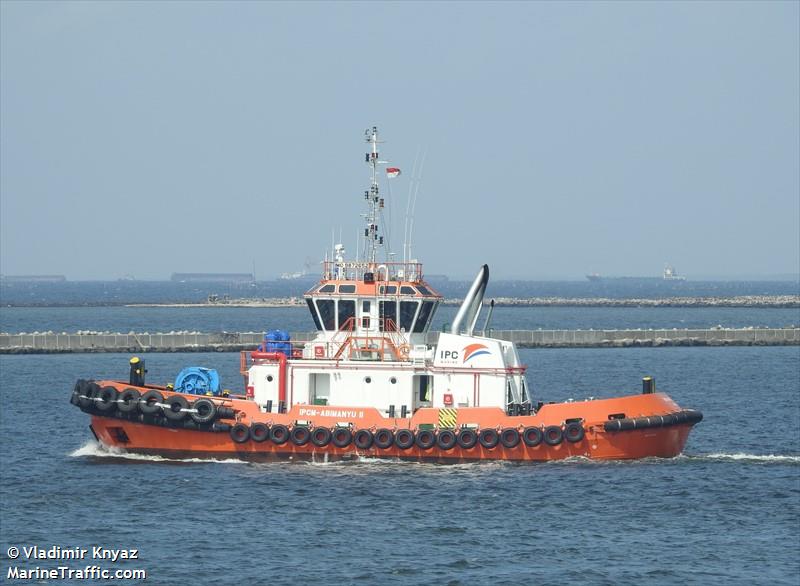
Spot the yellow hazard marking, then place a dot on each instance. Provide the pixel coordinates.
(448, 417)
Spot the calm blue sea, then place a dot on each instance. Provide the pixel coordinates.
(726, 512)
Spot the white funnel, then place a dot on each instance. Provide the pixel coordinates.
(473, 302)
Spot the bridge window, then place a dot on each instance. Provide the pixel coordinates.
(327, 289)
(424, 290)
(388, 290)
(314, 315)
(327, 311)
(408, 310)
(347, 288)
(347, 311)
(424, 317)
(405, 290)
(388, 312)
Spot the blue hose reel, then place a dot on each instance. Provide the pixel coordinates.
(196, 380)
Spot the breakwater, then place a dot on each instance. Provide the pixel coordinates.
(50, 342)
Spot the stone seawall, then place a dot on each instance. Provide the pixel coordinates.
(49, 342)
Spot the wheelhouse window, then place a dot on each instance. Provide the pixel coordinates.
(424, 317)
(388, 290)
(405, 290)
(388, 312)
(347, 311)
(314, 315)
(347, 288)
(424, 290)
(327, 312)
(408, 309)
(327, 288)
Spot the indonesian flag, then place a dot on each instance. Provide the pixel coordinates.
(392, 171)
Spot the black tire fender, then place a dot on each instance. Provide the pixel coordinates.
(509, 437)
(128, 400)
(106, 399)
(176, 407)
(489, 438)
(553, 435)
(90, 391)
(259, 432)
(446, 440)
(532, 436)
(363, 439)
(203, 410)
(467, 438)
(384, 438)
(425, 439)
(300, 435)
(341, 437)
(240, 433)
(150, 403)
(574, 432)
(279, 434)
(404, 439)
(321, 436)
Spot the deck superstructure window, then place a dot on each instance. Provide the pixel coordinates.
(388, 290)
(347, 311)
(314, 315)
(347, 288)
(424, 290)
(327, 312)
(406, 290)
(327, 288)
(424, 317)
(388, 313)
(408, 309)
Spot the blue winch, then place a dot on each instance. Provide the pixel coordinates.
(197, 380)
(277, 341)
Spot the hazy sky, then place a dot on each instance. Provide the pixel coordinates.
(561, 138)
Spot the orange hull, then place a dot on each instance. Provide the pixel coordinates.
(641, 426)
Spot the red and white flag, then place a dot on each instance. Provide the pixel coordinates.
(392, 171)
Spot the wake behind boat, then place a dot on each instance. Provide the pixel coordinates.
(368, 384)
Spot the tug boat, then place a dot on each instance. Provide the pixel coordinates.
(370, 385)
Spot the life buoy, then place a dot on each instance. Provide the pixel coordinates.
(279, 434)
(300, 435)
(321, 436)
(467, 439)
(404, 350)
(106, 399)
(240, 433)
(553, 435)
(384, 438)
(404, 438)
(446, 439)
(341, 437)
(532, 436)
(204, 410)
(425, 439)
(128, 400)
(363, 439)
(150, 403)
(259, 432)
(176, 407)
(509, 437)
(574, 432)
(488, 437)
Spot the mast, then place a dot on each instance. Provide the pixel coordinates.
(372, 239)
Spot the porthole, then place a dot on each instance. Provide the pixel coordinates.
(269, 378)
(393, 380)
(367, 379)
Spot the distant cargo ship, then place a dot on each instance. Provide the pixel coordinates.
(212, 277)
(670, 274)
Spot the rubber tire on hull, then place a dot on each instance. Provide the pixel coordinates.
(363, 439)
(384, 438)
(404, 439)
(176, 407)
(203, 410)
(532, 436)
(341, 437)
(321, 436)
(128, 400)
(553, 435)
(150, 403)
(240, 433)
(259, 432)
(574, 432)
(279, 434)
(90, 392)
(489, 438)
(77, 391)
(446, 440)
(509, 437)
(426, 439)
(106, 399)
(300, 435)
(467, 439)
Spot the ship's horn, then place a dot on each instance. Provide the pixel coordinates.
(473, 302)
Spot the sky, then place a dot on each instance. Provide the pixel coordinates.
(558, 139)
